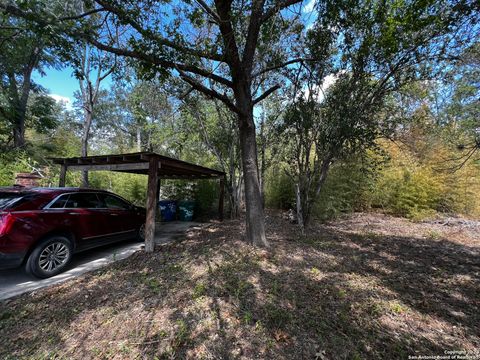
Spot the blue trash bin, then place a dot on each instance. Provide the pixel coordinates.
(168, 209)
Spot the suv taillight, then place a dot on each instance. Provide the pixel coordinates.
(6, 222)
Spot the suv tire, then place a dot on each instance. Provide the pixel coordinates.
(50, 257)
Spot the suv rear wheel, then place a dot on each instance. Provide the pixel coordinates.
(50, 257)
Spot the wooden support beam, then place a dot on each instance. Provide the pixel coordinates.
(152, 200)
(145, 157)
(186, 177)
(220, 198)
(112, 167)
(63, 175)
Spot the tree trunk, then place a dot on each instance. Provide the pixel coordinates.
(85, 136)
(19, 131)
(233, 197)
(236, 201)
(253, 199)
(305, 197)
(298, 198)
(20, 101)
(263, 160)
(139, 138)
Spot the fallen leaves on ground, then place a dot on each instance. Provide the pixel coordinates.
(366, 286)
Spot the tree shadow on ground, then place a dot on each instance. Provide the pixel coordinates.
(328, 295)
(344, 295)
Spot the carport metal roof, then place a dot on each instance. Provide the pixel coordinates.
(139, 163)
(154, 165)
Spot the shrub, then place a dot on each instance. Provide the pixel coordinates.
(418, 187)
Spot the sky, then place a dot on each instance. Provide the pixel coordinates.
(59, 83)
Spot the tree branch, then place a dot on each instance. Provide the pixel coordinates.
(80, 16)
(224, 10)
(253, 33)
(208, 91)
(158, 61)
(266, 93)
(205, 73)
(209, 10)
(279, 66)
(279, 6)
(155, 37)
(105, 6)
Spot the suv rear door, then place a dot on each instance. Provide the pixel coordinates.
(91, 219)
(121, 217)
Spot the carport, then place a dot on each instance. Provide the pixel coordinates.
(156, 166)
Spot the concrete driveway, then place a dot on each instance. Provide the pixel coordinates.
(15, 282)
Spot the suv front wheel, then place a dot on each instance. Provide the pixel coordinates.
(50, 257)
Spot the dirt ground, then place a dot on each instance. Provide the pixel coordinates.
(367, 286)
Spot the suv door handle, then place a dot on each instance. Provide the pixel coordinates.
(113, 214)
(74, 213)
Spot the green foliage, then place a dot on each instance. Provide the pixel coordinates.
(206, 197)
(347, 188)
(370, 49)
(199, 290)
(408, 191)
(177, 190)
(203, 192)
(11, 163)
(402, 182)
(23, 103)
(42, 115)
(279, 189)
(130, 186)
(417, 187)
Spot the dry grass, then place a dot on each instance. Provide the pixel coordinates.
(348, 290)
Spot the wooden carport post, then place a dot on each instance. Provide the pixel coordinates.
(63, 174)
(152, 200)
(220, 199)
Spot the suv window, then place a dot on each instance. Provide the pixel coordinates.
(60, 202)
(113, 202)
(8, 198)
(83, 201)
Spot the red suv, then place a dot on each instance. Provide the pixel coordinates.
(43, 227)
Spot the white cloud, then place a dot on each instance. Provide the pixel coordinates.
(329, 80)
(62, 99)
(309, 6)
(319, 91)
